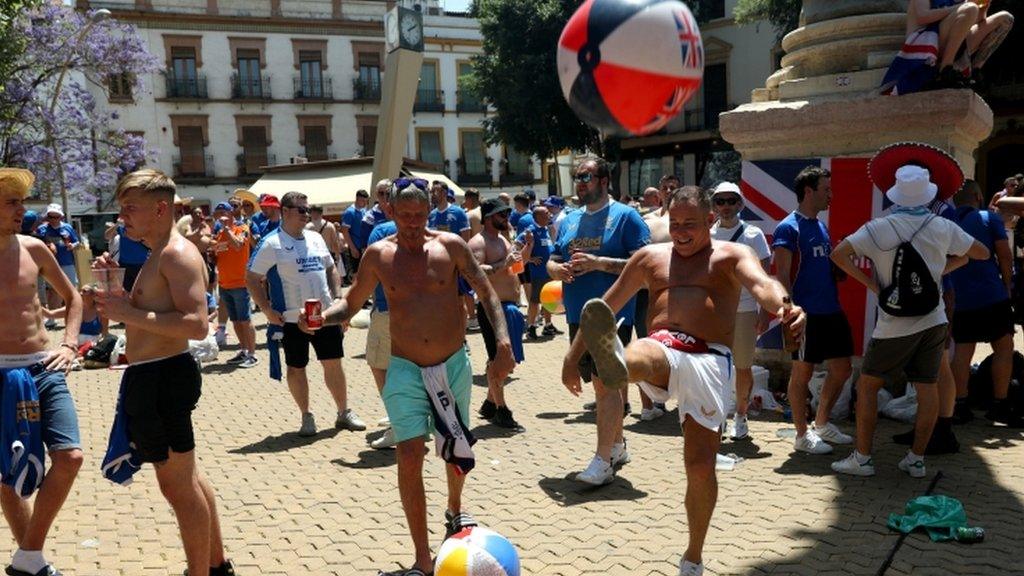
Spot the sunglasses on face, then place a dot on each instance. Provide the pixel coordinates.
(403, 183)
(304, 210)
(726, 201)
(583, 178)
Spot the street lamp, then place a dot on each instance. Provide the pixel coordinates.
(94, 18)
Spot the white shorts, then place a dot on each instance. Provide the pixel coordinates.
(697, 381)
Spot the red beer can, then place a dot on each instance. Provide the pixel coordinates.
(313, 317)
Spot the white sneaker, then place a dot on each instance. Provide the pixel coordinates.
(620, 454)
(386, 441)
(687, 568)
(811, 443)
(385, 421)
(913, 465)
(221, 337)
(600, 333)
(648, 414)
(598, 473)
(738, 429)
(832, 434)
(850, 465)
(472, 324)
(308, 427)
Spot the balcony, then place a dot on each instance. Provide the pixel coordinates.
(250, 164)
(469, 102)
(515, 178)
(250, 88)
(192, 166)
(477, 171)
(313, 88)
(363, 91)
(429, 101)
(189, 88)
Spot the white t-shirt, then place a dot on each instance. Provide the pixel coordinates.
(752, 236)
(940, 238)
(302, 264)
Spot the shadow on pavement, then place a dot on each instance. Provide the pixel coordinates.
(283, 442)
(667, 425)
(490, 431)
(368, 459)
(745, 449)
(569, 492)
(856, 537)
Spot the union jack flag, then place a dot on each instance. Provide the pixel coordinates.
(689, 41)
(768, 192)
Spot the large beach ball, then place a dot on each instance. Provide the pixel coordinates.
(551, 297)
(628, 66)
(477, 551)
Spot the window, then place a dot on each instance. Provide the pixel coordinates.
(468, 101)
(249, 85)
(183, 72)
(715, 9)
(254, 148)
(190, 142)
(517, 162)
(369, 76)
(474, 156)
(644, 172)
(368, 139)
(428, 147)
(428, 96)
(715, 94)
(120, 87)
(316, 142)
(311, 77)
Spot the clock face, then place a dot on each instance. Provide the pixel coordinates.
(391, 31)
(411, 30)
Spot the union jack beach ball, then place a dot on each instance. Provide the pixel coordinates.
(629, 66)
(477, 551)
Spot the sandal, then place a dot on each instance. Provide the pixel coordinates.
(455, 523)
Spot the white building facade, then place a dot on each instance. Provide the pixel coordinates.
(251, 83)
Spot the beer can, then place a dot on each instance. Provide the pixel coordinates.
(970, 534)
(313, 317)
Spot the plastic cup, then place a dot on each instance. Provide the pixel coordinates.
(109, 280)
(517, 267)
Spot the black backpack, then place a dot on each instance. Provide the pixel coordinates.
(913, 291)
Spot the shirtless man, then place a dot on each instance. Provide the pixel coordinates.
(471, 204)
(418, 269)
(657, 220)
(25, 358)
(496, 256)
(687, 354)
(327, 231)
(165, 310)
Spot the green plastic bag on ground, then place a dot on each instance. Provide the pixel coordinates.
(939, 515)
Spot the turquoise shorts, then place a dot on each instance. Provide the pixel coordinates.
(405, 397)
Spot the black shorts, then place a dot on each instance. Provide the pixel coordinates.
(640, 316)
(535, 288)
(986, 324)
(826, 336)
(588, 370)
(524, 276)
(159, 398)
(327, 343)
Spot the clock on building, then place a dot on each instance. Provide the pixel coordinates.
(403, 28)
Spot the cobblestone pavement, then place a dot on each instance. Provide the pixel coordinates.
(329, 504)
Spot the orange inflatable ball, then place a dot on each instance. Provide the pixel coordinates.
(551, 297)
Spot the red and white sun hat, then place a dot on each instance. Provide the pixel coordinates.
(943, 170)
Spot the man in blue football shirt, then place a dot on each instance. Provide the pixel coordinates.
(590, 252)
(802, 251)
(352, 231)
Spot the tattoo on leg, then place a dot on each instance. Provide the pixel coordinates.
(990, 44)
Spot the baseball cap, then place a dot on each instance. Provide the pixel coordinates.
(554, 202)
(224, 206)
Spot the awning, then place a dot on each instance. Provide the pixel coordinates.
(333, 183)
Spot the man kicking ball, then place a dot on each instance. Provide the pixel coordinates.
(694, 285)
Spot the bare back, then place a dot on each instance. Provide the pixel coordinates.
(152, 292)
(697, 294)
(428, 323)
(658, 224)
(494, 250)
(21, 315)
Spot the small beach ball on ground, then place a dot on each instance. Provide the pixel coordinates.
(477, 551)
(551, 297)
(629, 66)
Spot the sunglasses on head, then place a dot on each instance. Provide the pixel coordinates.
(403, 183)
(584, 178)
(726, 201)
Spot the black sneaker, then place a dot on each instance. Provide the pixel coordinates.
(1002, 412)
(962, 413)
(626, 410)
(503, 418)
(550, 330)
(487, 410)
(455, 523)
(531, 333)
(225, 569)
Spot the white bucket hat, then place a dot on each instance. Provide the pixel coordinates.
(912, 188)
(55, 209)
(727, 187)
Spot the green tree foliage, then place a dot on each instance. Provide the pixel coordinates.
(784, 15)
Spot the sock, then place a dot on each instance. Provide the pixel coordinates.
(914, 457)
(861, 458)
(739, 417)
(30, 561)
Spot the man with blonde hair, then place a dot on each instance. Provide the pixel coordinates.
(162, 383)
(29, 366)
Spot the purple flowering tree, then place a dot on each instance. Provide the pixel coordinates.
(50, 121)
